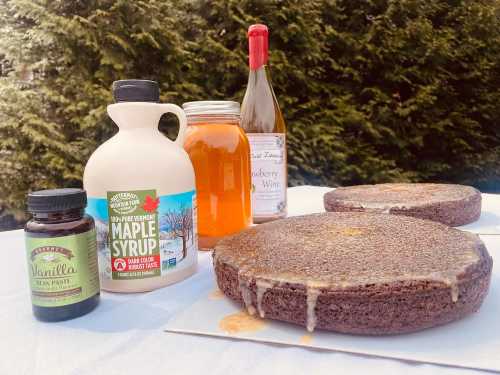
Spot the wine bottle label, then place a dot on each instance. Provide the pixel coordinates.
(268, 163)
(141, 234)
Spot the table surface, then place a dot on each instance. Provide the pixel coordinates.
(124, 334)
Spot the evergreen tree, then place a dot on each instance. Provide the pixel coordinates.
(54, 117)
(372, 91)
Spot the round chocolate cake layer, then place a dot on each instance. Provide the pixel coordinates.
(357, 273)
(449, 204)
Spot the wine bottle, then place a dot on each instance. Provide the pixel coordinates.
(263, 122)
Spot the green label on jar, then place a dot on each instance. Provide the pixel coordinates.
(62, 270)
(134, 234)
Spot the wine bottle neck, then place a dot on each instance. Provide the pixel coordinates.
(259, 74)
(258, 51)
(259, 79)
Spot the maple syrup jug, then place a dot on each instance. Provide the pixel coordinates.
(141, 194)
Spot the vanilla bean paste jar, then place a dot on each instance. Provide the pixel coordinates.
(62, 255)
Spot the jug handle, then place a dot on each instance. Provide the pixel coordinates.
(179, 113)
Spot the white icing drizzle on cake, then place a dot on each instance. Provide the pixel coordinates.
(453, 284)
(312, 298)
(246, 294)
(454, 292)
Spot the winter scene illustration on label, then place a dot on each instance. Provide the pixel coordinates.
(142, 235)
(268, 159)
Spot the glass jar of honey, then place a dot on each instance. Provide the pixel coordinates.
(220, 153)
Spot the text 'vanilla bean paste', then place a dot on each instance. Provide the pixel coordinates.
(62, 255)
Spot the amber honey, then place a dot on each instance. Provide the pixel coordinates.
(220, 153)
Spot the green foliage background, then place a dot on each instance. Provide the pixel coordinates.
(372, 91)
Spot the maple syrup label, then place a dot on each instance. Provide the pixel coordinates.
(142, 235)
(269, 181)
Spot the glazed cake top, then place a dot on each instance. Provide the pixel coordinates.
(346, 249)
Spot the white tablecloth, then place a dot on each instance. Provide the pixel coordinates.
(124, 336)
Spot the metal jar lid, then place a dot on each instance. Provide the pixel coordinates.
(56, 200)
(212, 107)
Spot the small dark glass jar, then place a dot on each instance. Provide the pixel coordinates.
(62, 255)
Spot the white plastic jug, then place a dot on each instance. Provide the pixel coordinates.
(141, 193)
